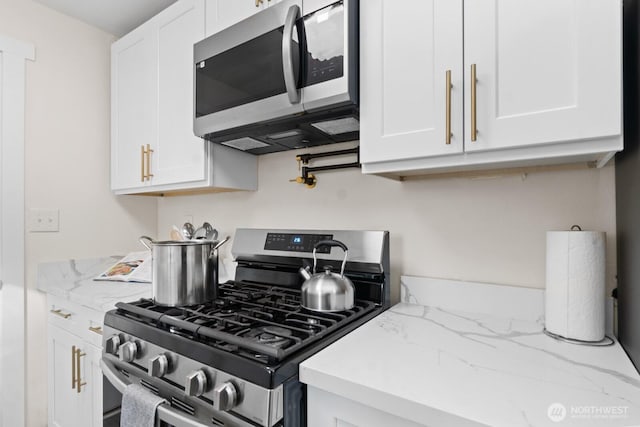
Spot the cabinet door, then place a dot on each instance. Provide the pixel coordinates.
(224, 13)
(547, 71)
(94, 383)
(67, 407)
(133, 105)
(328, 409)
(179, 156)
(407, 47)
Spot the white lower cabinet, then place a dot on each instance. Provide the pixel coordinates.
(74, 374)
(328, 409)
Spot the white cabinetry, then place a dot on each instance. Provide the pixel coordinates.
(153, 147)
(224, 13)
(547, 85)
(328, 409)
(74, 375)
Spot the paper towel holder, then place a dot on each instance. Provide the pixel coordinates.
(606, 341)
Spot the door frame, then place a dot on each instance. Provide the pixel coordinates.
(13, 56)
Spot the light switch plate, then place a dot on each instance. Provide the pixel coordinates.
(44, 220)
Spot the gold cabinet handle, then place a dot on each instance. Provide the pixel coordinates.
(78, 355)
(448, 109)
(149, 151)
(474, 127)
(59, 312)
(96, 329)
(142, 153)
(73, 367)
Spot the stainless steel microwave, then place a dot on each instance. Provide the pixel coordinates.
(284, 78)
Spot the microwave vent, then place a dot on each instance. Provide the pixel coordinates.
(338, 126)
(245, 143)
(286, 134)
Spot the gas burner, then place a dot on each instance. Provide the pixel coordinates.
(274, 336)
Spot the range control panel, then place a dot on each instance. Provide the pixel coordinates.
(296, 242)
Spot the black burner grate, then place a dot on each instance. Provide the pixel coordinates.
(259, 322)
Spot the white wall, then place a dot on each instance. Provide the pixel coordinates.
(67, 162)
(485, 229)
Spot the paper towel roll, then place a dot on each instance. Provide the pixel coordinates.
(575, 294)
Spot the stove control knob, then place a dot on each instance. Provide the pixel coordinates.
(112, 343)
(225, 397)
(128, 351)
(158, 366)
(196, 384)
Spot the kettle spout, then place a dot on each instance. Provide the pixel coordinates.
(304, 272)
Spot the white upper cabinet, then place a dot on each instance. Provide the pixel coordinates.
(224, 13)
(133, 100)
(547, 70)
(153, 147)
(547, 86)
(177, 32)
(411, 79)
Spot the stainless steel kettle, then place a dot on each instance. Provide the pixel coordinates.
(327, 291)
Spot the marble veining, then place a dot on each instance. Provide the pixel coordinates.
(73, 280)
(488, 368)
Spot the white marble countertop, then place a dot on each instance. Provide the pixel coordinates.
(73, 280)
(476, 352)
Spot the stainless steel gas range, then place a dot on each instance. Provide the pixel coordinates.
(234, 361)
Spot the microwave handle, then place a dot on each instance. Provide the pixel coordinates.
(287, 54)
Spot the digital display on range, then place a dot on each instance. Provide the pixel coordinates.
(296, 242)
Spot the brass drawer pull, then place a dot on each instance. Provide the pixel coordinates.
(96, 329)
(145, 163)
(59, 312)
(142, 153)
(79, 382)
(448, 109)
(148, 174)
(474, 99)
(73, 367)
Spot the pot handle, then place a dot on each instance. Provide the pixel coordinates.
(146, 241)
(331, 243)
(220, 243)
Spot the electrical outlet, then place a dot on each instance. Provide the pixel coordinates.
(44, 220)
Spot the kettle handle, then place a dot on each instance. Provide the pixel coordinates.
(331, 243)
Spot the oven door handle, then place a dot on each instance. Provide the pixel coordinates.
(287, 54)
(164, 412)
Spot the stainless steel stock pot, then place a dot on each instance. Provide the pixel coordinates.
(184, 272)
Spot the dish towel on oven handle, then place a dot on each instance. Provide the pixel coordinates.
(139, 407)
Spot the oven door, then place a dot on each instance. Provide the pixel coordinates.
(249, 72)
(166, 415)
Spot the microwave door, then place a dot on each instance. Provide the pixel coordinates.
(248, 73)
(330, 75)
